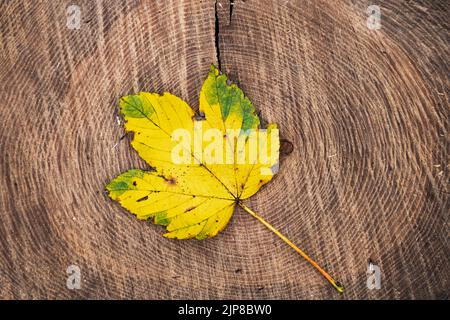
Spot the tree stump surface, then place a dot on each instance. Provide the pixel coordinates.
(366, 112)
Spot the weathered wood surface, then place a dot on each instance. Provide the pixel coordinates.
(366, 111)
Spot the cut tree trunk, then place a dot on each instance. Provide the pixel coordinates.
(364, 111)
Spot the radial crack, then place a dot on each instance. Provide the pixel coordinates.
(216, 35)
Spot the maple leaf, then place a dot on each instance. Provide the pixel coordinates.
(203, 166)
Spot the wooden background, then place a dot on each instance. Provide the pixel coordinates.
(366, 112)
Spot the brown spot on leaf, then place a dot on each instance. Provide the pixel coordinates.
(170, 180)
(142, 199)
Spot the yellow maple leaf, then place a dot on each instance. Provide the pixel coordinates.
(203, 166)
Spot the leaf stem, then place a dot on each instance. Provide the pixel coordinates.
(334, 283)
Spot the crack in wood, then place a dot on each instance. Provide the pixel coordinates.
(231, 10)
(216, 35)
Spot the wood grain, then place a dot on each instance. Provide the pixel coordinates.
(366, 112)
